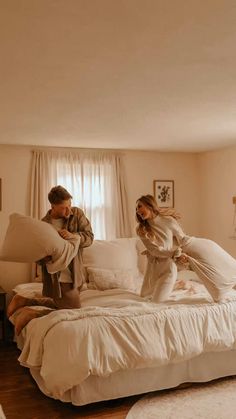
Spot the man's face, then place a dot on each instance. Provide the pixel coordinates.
(61, 210)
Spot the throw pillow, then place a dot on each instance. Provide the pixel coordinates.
(112, 254)
(103, 279)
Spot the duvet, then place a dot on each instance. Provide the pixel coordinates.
(117, 330)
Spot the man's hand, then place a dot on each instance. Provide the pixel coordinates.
(66, 234)
(45, 260)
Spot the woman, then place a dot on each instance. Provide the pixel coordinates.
(166, 243)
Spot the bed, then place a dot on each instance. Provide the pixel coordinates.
(119, 344)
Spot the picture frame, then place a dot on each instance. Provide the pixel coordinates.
(164, 193)
(0, 194)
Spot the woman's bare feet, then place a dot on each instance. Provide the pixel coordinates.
(192, 290)
(180, 284)
(185, 285)
(17, 301)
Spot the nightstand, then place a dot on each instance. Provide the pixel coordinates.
(3, 316)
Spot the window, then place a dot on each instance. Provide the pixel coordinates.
(95, 180)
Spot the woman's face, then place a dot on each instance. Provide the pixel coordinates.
(143, 211)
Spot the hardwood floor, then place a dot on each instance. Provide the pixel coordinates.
(20, 396)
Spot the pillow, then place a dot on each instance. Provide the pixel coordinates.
(30, 290)
(104, 279)
(29, 240)
(112, 254)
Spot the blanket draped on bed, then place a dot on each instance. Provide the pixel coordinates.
(69, 345)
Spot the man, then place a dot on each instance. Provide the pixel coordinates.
(61, 289)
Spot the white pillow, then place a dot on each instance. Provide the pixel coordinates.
(31, 289)
(103, 279)
(29, 240)
(112, 254)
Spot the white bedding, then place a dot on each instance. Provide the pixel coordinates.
(117, 330)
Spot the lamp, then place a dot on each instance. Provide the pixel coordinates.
(233, 235)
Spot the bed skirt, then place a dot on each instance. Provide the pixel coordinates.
(203, 368)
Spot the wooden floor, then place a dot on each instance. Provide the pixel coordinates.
(21, 398)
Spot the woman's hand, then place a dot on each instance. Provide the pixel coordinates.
(182, 259)
(177, 253)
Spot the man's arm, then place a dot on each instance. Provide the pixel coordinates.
(84, 230)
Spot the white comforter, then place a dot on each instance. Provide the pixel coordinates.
(118, 330)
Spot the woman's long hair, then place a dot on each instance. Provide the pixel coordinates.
(144, 228)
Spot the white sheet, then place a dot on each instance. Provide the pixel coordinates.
(117, 330)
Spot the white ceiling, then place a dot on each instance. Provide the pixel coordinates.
(131, 74)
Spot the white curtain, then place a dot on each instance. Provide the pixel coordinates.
(96, 182)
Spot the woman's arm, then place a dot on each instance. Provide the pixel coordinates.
(160, 251)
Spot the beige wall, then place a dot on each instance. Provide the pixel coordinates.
(144, 167)
(217, 177)
(141, 169)
(15, 175)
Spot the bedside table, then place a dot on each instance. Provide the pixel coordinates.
(3, 315)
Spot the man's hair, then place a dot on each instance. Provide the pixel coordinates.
(58, 194)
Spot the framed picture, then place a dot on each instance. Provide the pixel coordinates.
(164, 193)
